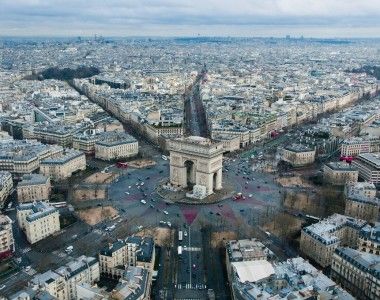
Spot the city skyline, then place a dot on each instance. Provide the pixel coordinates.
(243, 18)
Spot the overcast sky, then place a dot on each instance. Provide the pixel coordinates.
(311, 18)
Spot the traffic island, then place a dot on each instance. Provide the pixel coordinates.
(176, 195)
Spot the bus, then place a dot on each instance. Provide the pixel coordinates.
(59, 204)
(180, 235)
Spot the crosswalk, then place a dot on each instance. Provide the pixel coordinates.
(26, 250)
(192, 249)
(188, 286)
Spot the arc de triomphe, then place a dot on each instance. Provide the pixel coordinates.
(196, 162)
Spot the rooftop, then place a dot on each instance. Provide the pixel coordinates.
(325, 230)
(341, 166)
(298, 148)
(33, 179)
(366, 262)
(38, 210)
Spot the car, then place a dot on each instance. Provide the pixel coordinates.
(127, 193)
(143, 201)
(169, 224)
(220, 205)
(185, 233)
(162, 222)
(218, 214)
(211, 213)
(165, 212)
(140, 227)
(28, 268)
(129, 186)
(147, 178)
(250, 195)
(151, 205)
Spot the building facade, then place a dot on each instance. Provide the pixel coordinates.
(6, 186)
(62, 166)
(33, 187)
(368, 165)
(319, 241)
(339, 173)
(38, 220)
(362, 208)
(358, 272)
(116, 145)
(298, 155)
(7, 244)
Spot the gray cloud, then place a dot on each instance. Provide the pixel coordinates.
(189, 17)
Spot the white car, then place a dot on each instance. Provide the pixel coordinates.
(129, 187)
(143, 201)
(140, 227)
(28, 268)
(185, 233)
(127, 193)
(165, 212)
(169, 224)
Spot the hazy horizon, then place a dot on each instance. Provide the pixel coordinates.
(170, 18)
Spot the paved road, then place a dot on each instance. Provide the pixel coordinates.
(195, 115)
(125, 195)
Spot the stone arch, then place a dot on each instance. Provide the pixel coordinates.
(190, 172)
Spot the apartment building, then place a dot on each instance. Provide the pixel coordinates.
(319, 241)
(24, 156)
(294, 278)
(368, 165)
(60, 134)
(115, 257)
(358, 272)
(53, 284)
(7, 244)
(33, 187)
(62, 283)
(63, 165)
(298, 155)
(339, 173)
(85, 143)
(362, 207)
(6, 186)
(38, 220)
(115, 145)
(357, 145)
(81, 270)
(361, 189)
(369, 239)
(134, 284)
(133, 251)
